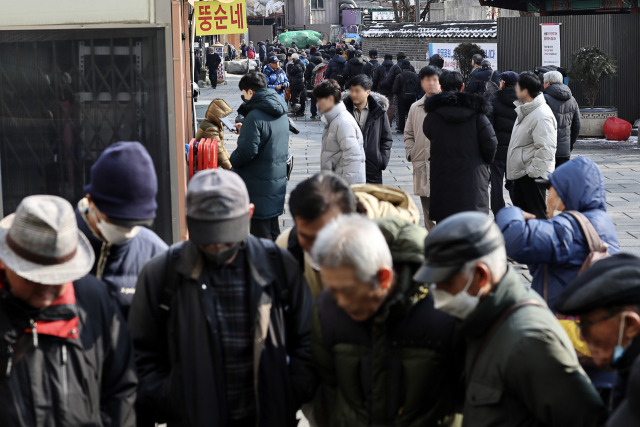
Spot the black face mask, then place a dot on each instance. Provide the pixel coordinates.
(221, 258)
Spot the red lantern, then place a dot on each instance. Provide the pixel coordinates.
(616, 129)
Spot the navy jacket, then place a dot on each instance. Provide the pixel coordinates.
(558, 243)
(261, 156)
(479, 78)
(124, 262)
(334, 67)
(502, 118)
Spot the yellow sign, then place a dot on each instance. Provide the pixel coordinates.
(220, 17)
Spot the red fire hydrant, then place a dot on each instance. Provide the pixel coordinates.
(616, 129)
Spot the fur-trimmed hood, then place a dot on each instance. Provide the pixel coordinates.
(457, 107)
(382, 100)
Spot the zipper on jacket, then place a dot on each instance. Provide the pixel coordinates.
(64, 379)
(7, 372)
(102, 261)
(34, 332)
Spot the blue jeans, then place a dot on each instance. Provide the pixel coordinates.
(498, 169)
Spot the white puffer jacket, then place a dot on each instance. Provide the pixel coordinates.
(342, 146)
(532, 149)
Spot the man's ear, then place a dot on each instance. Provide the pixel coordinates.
(462, 90)
(252, 208)
(632, 328)
(385, 277)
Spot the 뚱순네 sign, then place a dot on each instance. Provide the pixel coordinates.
(550, 44)
(220, 17)
(445, 50)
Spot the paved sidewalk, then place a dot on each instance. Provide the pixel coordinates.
(619, 161)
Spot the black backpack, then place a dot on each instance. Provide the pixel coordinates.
(490, 88)
(409, 86)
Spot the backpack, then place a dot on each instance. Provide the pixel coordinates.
(318, 76)
(383, 85)
(409, 86)
(339, 74)
(490, 87)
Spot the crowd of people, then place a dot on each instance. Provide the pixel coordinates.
(358, 315)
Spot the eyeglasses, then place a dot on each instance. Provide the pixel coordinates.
(585, 324)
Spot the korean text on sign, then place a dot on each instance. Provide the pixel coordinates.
(220, 17)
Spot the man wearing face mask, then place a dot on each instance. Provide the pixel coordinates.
(120, 202)
(606, 300)
(384, 355)
(521, 368)
(221, 323)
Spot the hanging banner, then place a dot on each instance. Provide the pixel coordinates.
(550, 44)
(445, 50)
(220, 17)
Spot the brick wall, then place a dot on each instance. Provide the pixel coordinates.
(416, 48)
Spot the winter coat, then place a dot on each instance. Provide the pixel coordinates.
(557, 245)
(502, 118)
(528, 373)
(394, 72)
(261, 156)
(342, 145)
(336, 66)
(353, 67)
(180, 355)
(532, 148)
(211, 127)
(380, 74)
(479, 78)
(213, 60)
(308, 72)
(399, 85)
(251, 52)
(628, 370)
(295, 73)
(370, 67)
(80, 372)
(384, 371)
(463, 145)
(375, 201)
(376, 135)
(262, 51)
(418, 148)
(567, 114)
(276, 78)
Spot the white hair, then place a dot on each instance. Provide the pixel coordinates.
(553, 77)
(353, 240)
(295, 56)
(496, 261)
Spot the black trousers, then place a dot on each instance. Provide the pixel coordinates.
(562, 160)
(498, 168)
(530, 197)
(298, 96)
(213, 76)
(314, 107)
(403, 111)
(266, 228)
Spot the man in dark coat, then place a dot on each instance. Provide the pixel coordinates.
(221, 322)
(405, 89)
(120, 202)
(65, 353)
(316, 64)
(295, 73)
(213, 61)
(381, 85)
(567, 113)
(261, 156)
(354, 66)
(502, 118)
(463, 145)
(480, 79)
(336, 68)
(369, 110)
(370, 67)
(262, 52)
(389, 81)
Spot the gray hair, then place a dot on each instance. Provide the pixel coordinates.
(496, 261)
(295, 56)
(353, 240)
(553, 77)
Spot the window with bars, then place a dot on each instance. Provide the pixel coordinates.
(65, 96)
(317, 4)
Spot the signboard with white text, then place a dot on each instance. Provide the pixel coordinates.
(445, 50)
(382, 15)
(550, 44)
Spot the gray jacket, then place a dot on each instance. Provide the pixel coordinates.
(567, 114)
(532, 149)
(343, 146)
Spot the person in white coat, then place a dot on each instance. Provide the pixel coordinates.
(342, 141)
(416, 145)
(532, 148)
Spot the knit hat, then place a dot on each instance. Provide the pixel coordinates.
(124, 184)
(510, 78)
(373, 52)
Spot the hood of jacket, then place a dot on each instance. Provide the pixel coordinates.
(580, 185)
(217, 110)
(559, 91)
(457, 107)
(266, 100)
(378, 98)
(387, 63)
(507, 96)
(339, 59)
(356, 61)
(405, 239)
(328, 117)
(319, 66)
(523, 110)
(315, 59)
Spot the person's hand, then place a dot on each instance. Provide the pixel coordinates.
(278, 87)
(527, 216)
(238, 127)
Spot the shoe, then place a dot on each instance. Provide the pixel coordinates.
(294, 108)
(314, 117)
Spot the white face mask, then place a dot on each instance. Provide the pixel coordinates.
(112, 233)
(459, 305)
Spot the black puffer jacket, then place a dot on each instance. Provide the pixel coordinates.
(379, 78)
(295, 73)
(353, 67)
(395, 71)
(463, 145)
(503, 118)
(60, 380)
(370, 67)
(565, 109)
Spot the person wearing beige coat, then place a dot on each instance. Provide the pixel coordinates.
(212, 128)
(416, 145)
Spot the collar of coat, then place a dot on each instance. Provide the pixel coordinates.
(376, 100)
(457, 99)
(328, 117)
(523, 110)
